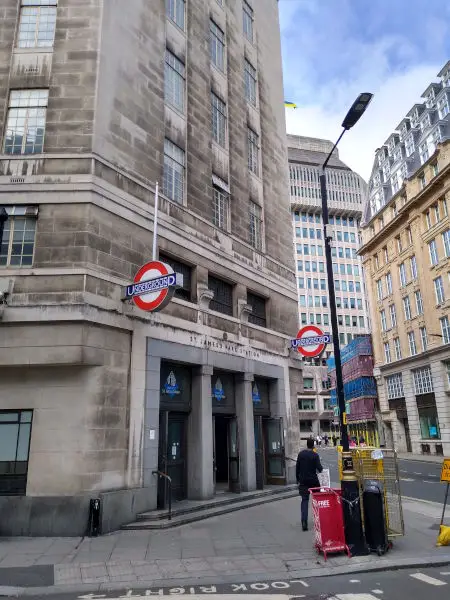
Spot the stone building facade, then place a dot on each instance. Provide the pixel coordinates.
(406, 254)
(97, 104)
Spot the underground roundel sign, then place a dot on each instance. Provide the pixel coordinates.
(311, 341)
(154, 286)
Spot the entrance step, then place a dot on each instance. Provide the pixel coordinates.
(190, 511)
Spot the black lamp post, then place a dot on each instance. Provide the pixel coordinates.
(3, 219)
(350, 493)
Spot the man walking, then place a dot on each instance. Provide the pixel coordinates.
(308, 465)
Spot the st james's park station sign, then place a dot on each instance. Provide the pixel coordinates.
(154, 286)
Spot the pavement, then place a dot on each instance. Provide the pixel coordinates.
(252, 547)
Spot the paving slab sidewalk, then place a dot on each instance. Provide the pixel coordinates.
(263, 543)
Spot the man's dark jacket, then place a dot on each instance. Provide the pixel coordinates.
(308, 465)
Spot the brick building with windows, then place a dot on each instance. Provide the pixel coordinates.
(406, 255)
(97, 104)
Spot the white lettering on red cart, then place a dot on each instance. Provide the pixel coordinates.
(323, 503)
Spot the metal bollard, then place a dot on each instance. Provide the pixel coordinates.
(94, 517)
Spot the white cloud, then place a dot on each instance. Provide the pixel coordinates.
(395, 94)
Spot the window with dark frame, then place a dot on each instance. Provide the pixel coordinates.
(223, 295)
(15, 434)
(258, 314)
(17, 248)
(185, 292)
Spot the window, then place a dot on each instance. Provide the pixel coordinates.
(445, 328)
(439, 290)
(217, 46)
(306, 404)
(219, 120)
(308, 383)
(444, 207)
(434, 259)
(359, 303)
(409, 235)
(422, 181)
(221, 208)
(185, 292)
(409, 145)
(413, 265)
(17, 247)
(394, 384)
(15, 432)
(258, 314)
(361, 321)
(423, 338)
(446, 242)
(383, 320)
(402, 271)
(407, 308)
(174, 86)
(37, 24)
(393, 315)
(173, 181)
(303, 318)
(412, 343)
(25, 126)
(419, 302)
(380, 289)
(397, 348)
(428, 219)
(389, 283)
(248, 21)
(223, 295)
(255, 225)
(443, 107)
(387, 352)
(399, 244)
(423, 381)
(250, 83)
(424, 152)
(429, 423)
(386, 255)
(175, 10)
(253, 151)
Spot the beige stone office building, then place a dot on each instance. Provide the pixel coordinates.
(406, 254)
(97, 104)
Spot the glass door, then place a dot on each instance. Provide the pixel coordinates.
(172, 456)
(275, 455)
(259, 452)
(233, 456)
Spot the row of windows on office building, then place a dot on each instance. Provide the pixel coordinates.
(311, 405)
(339, 284)
(343, 185)
(314, 266)
(316, 234)
(304, 217)
(412, 341)
(426, 405)
(318, 250)
(323, 318)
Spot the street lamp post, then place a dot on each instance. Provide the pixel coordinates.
(3, 219)
(350, 493)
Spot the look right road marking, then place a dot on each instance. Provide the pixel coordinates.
(427, 579)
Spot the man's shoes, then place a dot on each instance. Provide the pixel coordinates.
(305, 525)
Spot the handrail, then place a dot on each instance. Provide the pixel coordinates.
(169, 480)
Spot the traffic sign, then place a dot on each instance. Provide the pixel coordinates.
(311, 341)
(154, 286)
(445, 473)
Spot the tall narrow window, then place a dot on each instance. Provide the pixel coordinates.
(248, 21)
(398, 348)
(217, 46)
(380, 293)
(419, 302)
(174, 74)
(389, 283)
(253, 151)
(221, 208)
(219, 120)
(423, 338)
(37, 23)
(413, 265)
(173, 181)
(412, 343)
(15, 432)
(255, 225)
(25, 125)
(402, 272)
(407, 308)
(18, 240)
(445, 328)
(176, 11)
(393, 315)
(250, 82)
(387, 352)
(439, 290)
(434, 259)
(383, 320)
(446, 242)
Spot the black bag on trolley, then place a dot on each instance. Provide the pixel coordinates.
(375, 517)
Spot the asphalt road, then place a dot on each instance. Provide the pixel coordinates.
(418, 479)
(385, 585)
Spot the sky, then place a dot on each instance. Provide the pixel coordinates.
(335, 49)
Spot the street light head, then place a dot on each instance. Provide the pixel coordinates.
(357, 110)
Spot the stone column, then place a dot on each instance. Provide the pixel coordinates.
(244, 414)
(438, 372)
(412, 411)
(200, 437)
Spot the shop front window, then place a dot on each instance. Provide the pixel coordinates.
(429, 423)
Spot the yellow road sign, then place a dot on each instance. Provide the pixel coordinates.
(445, 473)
